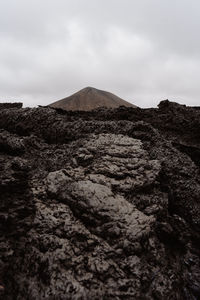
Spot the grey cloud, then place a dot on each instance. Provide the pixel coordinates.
(144, 50)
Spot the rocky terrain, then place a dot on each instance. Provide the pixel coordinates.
(100, 205)
(11, 105)
(90, 98)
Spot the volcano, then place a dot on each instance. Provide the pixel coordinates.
(90, 98)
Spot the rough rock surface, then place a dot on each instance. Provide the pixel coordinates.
(11, 105)
(100, 205)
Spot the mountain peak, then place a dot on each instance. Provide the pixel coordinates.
(88, 89)
(90, 98)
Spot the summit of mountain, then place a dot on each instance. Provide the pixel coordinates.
(90, 98)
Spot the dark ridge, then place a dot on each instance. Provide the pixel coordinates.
(11, 105)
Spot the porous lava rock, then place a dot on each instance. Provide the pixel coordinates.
(100, 205)
(7, 105)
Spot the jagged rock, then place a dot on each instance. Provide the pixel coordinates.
(11, 144)
(92, 208)
(11, 105)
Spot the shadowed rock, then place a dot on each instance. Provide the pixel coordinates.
(101, 204)
(11, 105)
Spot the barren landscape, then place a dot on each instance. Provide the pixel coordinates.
(101, 204)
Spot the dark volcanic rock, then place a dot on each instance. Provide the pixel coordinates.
(11, 105)
(100, 205)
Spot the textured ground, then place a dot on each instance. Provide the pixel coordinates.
(100, 205)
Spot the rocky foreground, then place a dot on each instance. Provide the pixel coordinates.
(100, 205)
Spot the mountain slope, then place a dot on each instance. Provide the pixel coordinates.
(90, 98)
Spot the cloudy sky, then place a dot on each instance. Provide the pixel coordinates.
(142, 50)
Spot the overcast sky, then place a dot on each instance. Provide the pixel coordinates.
(141, 50)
